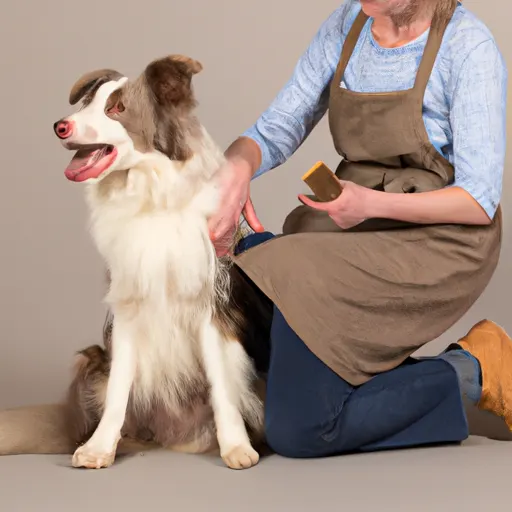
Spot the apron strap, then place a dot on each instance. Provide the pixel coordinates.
(435, 38)
(348, 46)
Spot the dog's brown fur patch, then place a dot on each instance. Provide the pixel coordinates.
(87, 85)
(135, 112)
(86, 394)
(155, 109)
(170, 81)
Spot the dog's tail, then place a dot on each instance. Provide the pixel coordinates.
(37, 429)
(42, 430)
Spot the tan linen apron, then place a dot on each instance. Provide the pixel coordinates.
(365, 299)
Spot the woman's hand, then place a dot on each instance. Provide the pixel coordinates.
(349, 209)
(234, 182)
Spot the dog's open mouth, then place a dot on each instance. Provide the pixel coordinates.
(90, 162)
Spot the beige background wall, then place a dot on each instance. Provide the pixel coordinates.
(50, 274)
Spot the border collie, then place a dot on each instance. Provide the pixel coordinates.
(186, 338)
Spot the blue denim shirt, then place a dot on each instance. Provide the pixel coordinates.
(464, 107)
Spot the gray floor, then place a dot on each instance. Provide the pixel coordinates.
(471, 477)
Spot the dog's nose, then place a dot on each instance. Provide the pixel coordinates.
(63, 129)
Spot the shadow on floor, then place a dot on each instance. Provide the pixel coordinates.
(485, 424)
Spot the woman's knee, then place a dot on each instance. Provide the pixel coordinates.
(295, 434)
(299, 416)
(289, 439)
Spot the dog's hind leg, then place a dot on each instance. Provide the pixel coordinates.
(100, 450)
(55, 428)
(59, 428)
(227, 367)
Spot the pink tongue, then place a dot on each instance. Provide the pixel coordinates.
(83, 158)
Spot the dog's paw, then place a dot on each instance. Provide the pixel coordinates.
(241, 457)
(88, 457)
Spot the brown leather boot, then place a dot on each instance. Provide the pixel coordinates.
(492, 346)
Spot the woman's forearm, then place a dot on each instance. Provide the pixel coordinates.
(246, 152)
(447, 206)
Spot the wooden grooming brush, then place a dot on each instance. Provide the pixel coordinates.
(323, 182)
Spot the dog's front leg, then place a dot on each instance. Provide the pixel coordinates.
(100, 450)
(235, 446)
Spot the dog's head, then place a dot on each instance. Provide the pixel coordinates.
(120, 121)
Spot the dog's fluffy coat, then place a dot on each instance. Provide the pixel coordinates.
(187, 333)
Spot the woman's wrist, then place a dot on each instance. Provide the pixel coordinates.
(245, 154)
(380, 205)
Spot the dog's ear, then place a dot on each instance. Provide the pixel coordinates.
(170, 79)
(88, 84)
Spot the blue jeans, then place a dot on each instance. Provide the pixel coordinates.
(311, 412)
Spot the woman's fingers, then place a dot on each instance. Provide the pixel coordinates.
(314, 204)
(252, 219)
(222, 237)
(218, 233)
(222, 233)
(223, 245)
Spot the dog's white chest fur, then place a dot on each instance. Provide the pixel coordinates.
(163, 272)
